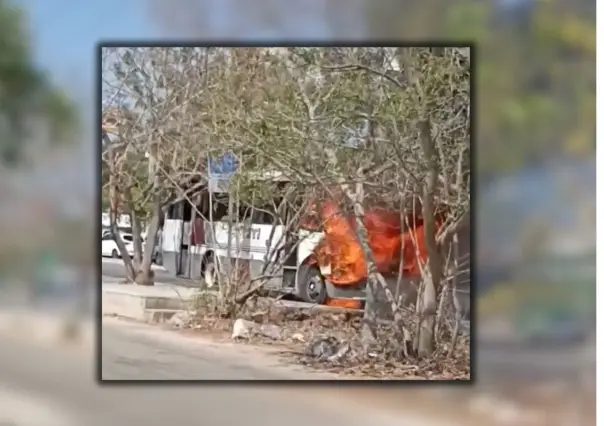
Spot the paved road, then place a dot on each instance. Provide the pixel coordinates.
(50, 386)
(497, 363)
(133, 351)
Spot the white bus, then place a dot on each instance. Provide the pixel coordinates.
(192, 248)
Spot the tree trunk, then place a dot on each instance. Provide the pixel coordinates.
(113, 211)
(431, 277)
(380, 303)
(130, 269)
(136, 232)
(145, 275)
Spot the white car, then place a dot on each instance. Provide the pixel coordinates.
(109, 246)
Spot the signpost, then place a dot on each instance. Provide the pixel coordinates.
(220, 171)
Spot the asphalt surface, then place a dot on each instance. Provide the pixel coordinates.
(133, 351)
(54, 385)
(510, 363)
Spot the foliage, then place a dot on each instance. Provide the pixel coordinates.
(536, 85)
(27, 97)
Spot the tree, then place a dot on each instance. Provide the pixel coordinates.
(28, 100)
(536, 82)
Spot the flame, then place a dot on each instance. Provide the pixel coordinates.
(343, 254)
(344, 303)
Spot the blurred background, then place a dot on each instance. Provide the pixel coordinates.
(535, 145)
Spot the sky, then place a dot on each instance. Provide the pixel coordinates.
(65, 32)
(77, 26)
(64, 35)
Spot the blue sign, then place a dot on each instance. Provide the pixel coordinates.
(220, 170)
(223, 166)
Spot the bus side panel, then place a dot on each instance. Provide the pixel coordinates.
(171, 243)
(276, 272)
(196, 254)
(308, 242)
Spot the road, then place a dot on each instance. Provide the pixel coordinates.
(530, 364)
(48, 386)
(133, 351)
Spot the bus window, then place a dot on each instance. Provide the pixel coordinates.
(186, 211)
(245, 213)
(220, 207)
(265, 215)
(172, 211)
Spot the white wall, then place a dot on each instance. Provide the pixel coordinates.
(123, 221)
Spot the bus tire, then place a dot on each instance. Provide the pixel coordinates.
(115, 254)
(310, 285)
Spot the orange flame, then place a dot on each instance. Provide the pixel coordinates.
(344, 303)
(341, 251)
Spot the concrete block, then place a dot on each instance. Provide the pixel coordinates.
(122, 304)
(145, 304)
(159, 316)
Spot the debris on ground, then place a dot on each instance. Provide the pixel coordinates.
(330, 340)
(181, 319)
(271, 331)
(298, 337)
(323, 347)
(243, 329)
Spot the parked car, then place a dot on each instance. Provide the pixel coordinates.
(109, 246)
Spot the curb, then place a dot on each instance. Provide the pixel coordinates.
(147, 305)
(35, 327)
(139, 307)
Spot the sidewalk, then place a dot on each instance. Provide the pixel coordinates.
(141, 303)
(120, 262)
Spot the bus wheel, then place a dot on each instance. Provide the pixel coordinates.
(310, 286)
(210, 271)
(115, 254)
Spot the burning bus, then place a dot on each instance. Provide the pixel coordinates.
(318, 259)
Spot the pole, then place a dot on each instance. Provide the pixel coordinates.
(211, 202)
